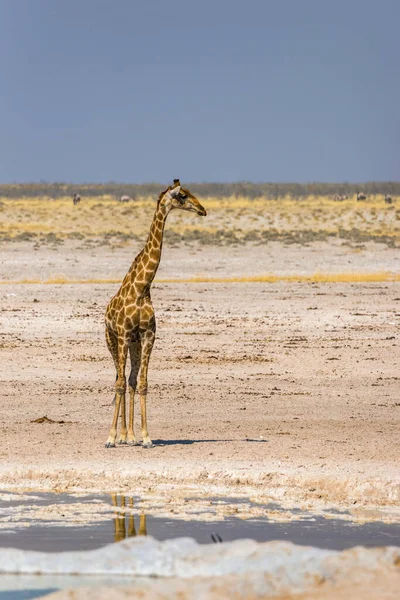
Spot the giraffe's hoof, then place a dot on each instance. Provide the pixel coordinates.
(133, 443)
(122, 442)
(148, 445)
(109, 445)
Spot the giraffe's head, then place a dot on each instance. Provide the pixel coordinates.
(176, 196)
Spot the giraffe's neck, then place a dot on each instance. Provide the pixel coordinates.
(151, 255)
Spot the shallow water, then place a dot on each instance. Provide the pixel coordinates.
(20, 528)
(25, 594)
(334, 532)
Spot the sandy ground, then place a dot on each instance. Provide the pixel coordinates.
(288, 391)
(90, 259)
(380, 587)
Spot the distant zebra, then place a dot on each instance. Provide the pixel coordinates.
(76, 199)
(361, 196)
(340, 197)
(388, 199)
(125, 199)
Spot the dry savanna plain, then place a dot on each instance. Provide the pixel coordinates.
(275, 372)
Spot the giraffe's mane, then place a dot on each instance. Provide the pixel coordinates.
(162, 194)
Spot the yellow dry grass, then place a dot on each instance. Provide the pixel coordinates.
(268, 278)
(97, 217)
(313, 278)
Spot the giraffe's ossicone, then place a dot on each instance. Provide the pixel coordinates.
(130, 321)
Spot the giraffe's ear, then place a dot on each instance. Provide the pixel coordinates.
(175, 191)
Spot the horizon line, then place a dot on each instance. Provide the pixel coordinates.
(234, 182)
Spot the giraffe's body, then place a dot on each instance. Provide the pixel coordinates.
(130, 320)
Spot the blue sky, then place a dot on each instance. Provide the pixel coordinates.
(214, 90)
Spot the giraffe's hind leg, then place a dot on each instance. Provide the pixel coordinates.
(135, 354)
(147, 340)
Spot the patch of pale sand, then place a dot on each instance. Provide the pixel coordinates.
(376, 587)
(76, 260)
(19, 497)
(57, 514)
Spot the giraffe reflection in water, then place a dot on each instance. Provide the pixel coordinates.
(124, 525)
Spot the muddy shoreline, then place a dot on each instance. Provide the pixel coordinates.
(374, 496)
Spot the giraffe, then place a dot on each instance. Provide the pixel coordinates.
(130, 321)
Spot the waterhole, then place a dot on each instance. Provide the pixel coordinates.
(66, 522)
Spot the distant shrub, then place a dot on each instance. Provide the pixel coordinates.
(53, 191)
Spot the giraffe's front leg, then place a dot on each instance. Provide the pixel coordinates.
(120, 388)
(110, 443)
(147, 346)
